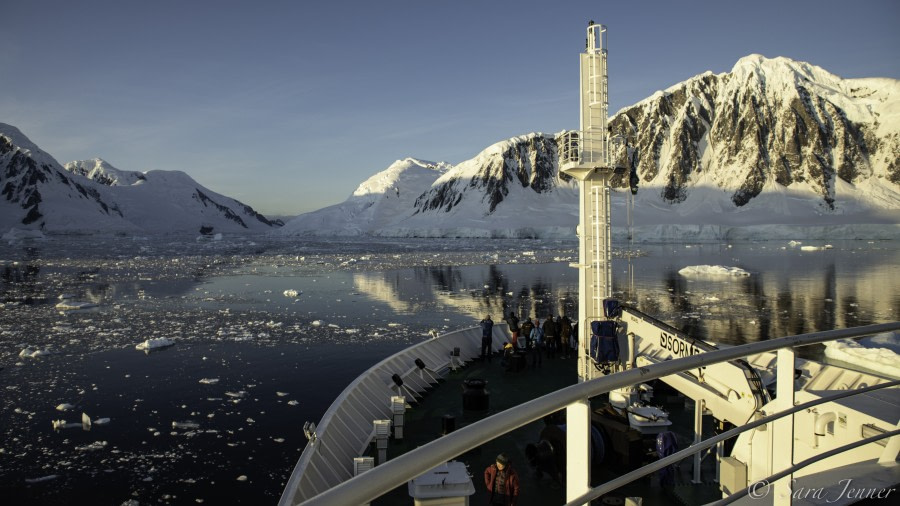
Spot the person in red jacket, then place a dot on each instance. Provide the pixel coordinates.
(502, 482)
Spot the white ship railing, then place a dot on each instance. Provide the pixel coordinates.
(625, 479)
(384, 478)
(346, 428)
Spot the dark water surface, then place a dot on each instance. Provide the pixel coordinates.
(280, 360)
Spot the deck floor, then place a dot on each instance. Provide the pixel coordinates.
(424, 422)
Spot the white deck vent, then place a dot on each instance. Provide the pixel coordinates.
(454, 359)
(398, 408)
(361, 465)
(382, 433)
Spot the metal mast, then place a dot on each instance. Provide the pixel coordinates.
(585, 156)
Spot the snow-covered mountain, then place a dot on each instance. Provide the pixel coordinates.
(90, 196)
(378, 202)
(157, 200)
(773, 142)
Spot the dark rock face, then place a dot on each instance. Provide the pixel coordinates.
(750, 129)
(22, 178)
(529, 162)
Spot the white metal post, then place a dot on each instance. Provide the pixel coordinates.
(783, 429)
(699, 406)
(889, 455)
(578, 474)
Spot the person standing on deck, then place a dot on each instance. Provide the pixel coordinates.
(487, 333)
(513, 321)
(551, 337)
(525, 330)
(502, 482)
(565, 335)
(537, 341)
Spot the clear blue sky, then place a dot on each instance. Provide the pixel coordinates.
(288, 106)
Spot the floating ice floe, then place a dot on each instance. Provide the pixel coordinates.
(185, 425)
(62, 424)
(815, 248)
(155, 344)
(96, 445)
(239, 394)
(42, 479)
(316, 323)
(68, 305)
(879, 353)
(209, 381)
(281, 394)
(292, 293)
(712, 271)
(64, 406)
(30, 352)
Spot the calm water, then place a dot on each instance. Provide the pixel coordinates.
(279, 360)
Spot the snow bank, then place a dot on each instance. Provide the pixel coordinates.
(712, 271)
(880, 353)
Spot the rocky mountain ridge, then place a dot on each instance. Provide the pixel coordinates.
(774, 141)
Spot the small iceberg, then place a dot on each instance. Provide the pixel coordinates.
(712, 271)
(64, 406)
(209, 381)
(879, 353)
(292, 293)
(185, 425)
(155, 344)
(67, 305)
(32, 481)
(30, 352)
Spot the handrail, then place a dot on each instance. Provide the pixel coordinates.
(289, 494)
(386, 477)
(781, 474)
(625, 479)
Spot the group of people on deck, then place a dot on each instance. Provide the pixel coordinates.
(553, 336)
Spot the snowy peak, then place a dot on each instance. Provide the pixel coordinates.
(37, 193)
(391, 179)
(93, 196)
(770, 125)
(488, 195)
(102, 172)
(526, 163)
(774, 141)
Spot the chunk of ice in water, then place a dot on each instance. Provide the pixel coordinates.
(64, 406)
(153, 344)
